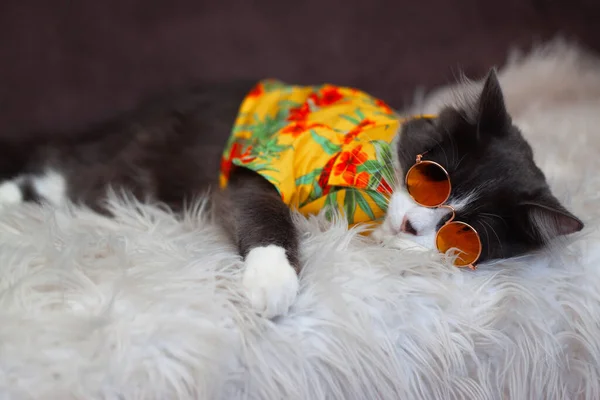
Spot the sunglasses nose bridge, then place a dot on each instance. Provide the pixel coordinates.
(453, 212)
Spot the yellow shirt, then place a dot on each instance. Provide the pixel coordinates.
(320, 146)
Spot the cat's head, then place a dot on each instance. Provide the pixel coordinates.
(496, 186)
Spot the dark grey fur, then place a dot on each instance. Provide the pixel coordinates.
(169, 150)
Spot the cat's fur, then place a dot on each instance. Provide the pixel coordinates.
(169, 150)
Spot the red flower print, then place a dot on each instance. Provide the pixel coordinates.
(382, 104)
(326, 96)
(295, 128)
(354, 132)
(325, 174)
(236, 153)
(361, 180)
(299, 113)
(299, 127)
(330, 95)
(349, 160)
(257, 90)
(384, 187)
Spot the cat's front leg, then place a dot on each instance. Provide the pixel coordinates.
(261, 226)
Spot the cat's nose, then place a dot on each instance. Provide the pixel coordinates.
(407, 227)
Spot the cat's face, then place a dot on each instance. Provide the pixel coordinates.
(496, 186)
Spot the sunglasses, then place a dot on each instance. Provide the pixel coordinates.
(428, 183)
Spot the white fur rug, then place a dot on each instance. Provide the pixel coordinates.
(146, 307)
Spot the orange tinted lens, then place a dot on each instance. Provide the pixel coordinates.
(463, 238)
(428, 184)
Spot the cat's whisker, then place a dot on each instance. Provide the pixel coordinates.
(439, 144)
(461, 160)
(391, 166)
(487, 236)
(388, 162)
(452, 143)
(494, 232)
(387, 194)
(489, 215)
(391, 184)
(475, 209)
(389, 157)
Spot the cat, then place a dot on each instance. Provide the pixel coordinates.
(169, 149)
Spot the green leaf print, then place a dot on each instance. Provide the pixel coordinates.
(360, 114)
(317, 191)
(281, 116)
(385, 172)
(327, 145)
(271, 148)
(374, 180)
(242, 127)
(270, 126)
(383, 152)
(257, 166)
(388, 174)
(309, 178)
(370, 166)
(350, 119)
(350, 205)
(378, 198)
(287, 104)
(362, 203)
(265, 129)
(273, 84)
(330, 205)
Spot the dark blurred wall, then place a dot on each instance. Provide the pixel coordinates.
(64, 64)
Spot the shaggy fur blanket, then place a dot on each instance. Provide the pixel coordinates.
(149, 306)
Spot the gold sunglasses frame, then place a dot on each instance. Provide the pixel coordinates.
(419, 160)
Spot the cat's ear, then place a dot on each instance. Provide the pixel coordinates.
(492, 116)
(547, 219)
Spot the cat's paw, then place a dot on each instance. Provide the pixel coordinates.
(271, 283)
(10, 194)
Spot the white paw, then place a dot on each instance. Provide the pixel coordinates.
(10, 193)
(270, 281)
(51, 186)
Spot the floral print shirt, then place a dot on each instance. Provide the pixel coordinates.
(322, 147)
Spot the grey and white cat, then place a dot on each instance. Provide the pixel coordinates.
(169, 150)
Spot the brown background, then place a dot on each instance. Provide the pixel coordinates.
(67, 63)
